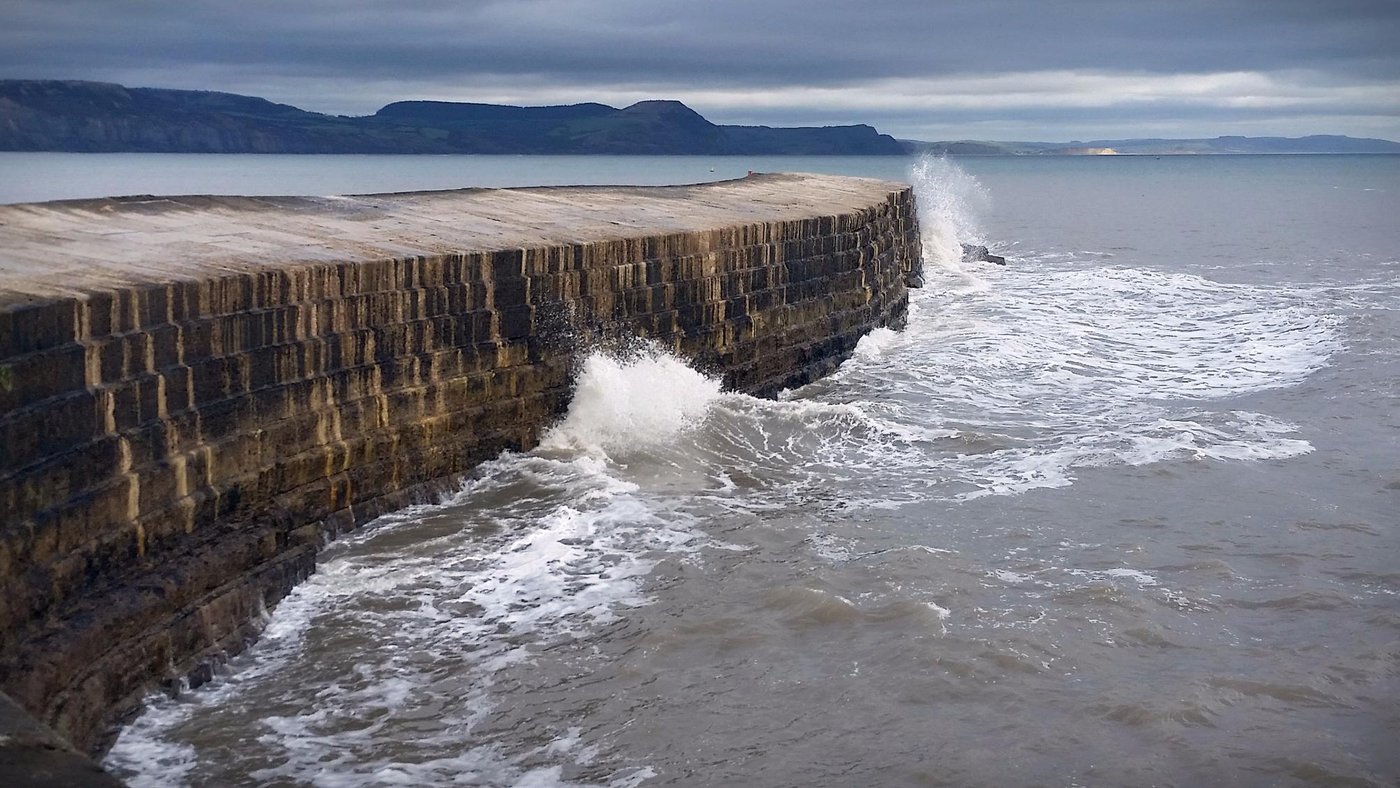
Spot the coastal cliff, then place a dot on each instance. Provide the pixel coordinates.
(196, 392)
(87, 117)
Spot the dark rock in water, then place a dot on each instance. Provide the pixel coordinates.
(973, 254)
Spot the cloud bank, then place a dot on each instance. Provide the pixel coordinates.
(991, 69)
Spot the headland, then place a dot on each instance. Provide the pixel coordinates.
(74, 116)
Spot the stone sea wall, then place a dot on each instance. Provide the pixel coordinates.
(173, 453)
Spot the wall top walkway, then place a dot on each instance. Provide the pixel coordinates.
(68, 248)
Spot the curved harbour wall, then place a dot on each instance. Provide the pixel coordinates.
(196, 392)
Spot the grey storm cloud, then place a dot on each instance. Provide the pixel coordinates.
(350, 55)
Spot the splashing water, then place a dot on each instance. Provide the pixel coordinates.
(949, 201)
(535, 552)
(642, 399)
(681, 583)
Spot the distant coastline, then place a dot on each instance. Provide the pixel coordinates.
(100, 117)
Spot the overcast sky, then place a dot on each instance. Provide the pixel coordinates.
(923, 69)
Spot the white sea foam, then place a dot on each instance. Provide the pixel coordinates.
(1006, 380)
(949, 201)
(875, 343)
(1009, 577)
(645, 398)
(1139, 577)
(555, 544)
(1062, 361)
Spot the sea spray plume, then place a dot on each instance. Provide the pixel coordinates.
(634, 399)
(949, 200)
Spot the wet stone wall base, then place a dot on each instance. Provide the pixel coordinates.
(177, 440)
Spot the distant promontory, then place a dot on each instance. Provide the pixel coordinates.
(102, 117)
(52, 115)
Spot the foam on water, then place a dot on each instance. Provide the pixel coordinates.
(949, 200)
(1013, 388)
(1005, 380)
(875, 343)
(645, 398)
(1009, 379)
(554, 544)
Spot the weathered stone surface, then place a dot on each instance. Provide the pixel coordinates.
(978, 253)
(195, 392)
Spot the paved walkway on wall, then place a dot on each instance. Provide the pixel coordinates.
(60, 249)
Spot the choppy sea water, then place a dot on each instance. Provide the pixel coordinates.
(1122, 512)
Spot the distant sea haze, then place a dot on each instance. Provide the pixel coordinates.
(1321, 143)
(91, 117)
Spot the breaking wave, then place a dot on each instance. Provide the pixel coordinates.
(1005, 380)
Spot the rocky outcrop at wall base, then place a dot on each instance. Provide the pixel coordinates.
(980, 254)
(181, 427)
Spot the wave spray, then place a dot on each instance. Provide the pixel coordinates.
(949, 200)
(636, 400)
